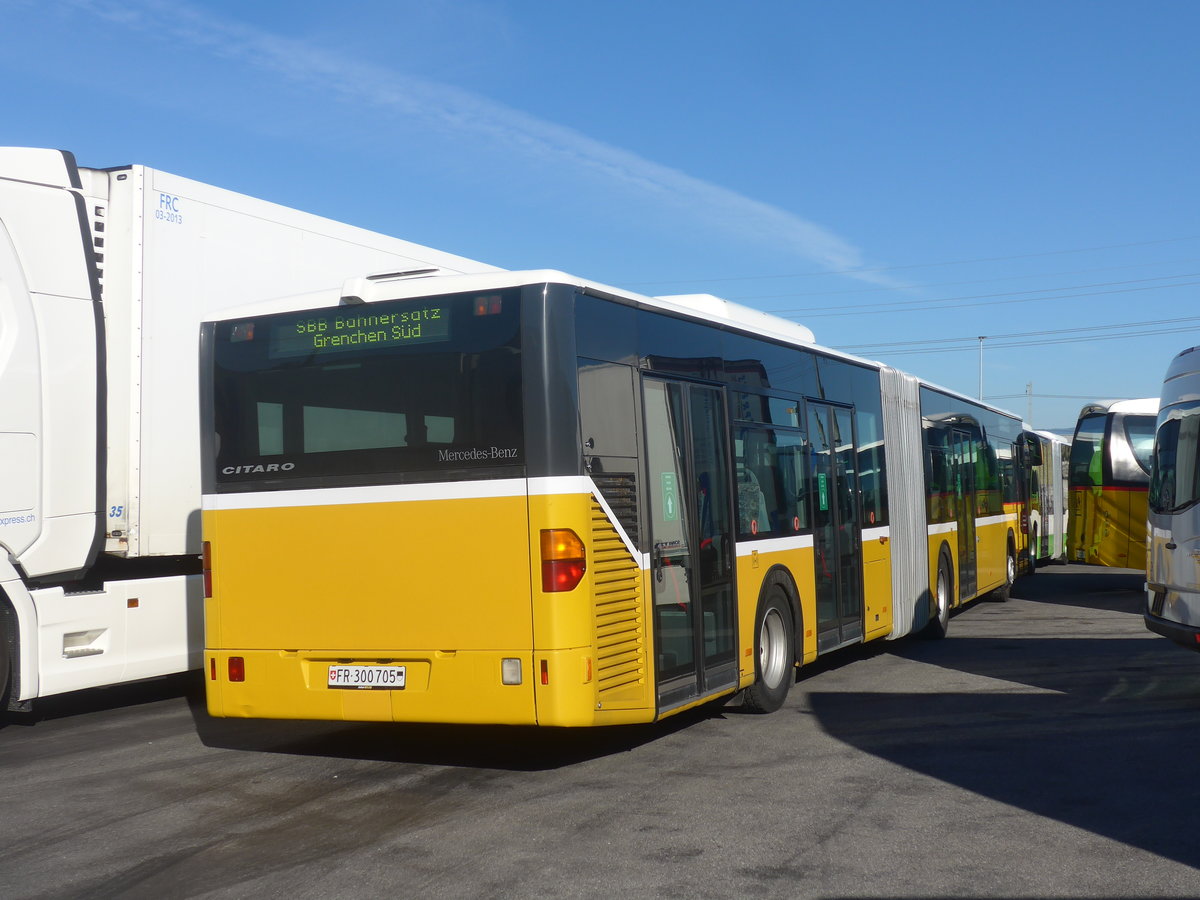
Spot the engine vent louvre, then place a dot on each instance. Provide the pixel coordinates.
(620, 493)
(620, 622)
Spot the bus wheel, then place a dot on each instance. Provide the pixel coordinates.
(1034, 551)
(776, 656)
(1004, 592)
(939, 623)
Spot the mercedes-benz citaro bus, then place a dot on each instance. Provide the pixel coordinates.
(529, 499)
(1173, 563)
(1109, 478)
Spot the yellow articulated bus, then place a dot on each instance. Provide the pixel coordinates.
(523, 498)
(1109, 477)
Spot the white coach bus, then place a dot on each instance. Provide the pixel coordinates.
(1173, 558)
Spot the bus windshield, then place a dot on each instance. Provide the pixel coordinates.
(1175, 484)
(417, 389)
(1140, 432)
(1086, 455)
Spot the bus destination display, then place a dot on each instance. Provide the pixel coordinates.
(346, 330)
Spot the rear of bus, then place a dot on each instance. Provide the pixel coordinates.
(376, 548)
(1173, 564)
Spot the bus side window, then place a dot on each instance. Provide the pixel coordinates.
(795, 490)
(771, 492)
(752, 471)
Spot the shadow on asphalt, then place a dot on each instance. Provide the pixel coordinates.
(1091, 587)
(468, 746)
(512, 748)
(1104, 739)
(107, 699)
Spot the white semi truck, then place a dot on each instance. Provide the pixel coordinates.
(105, 275)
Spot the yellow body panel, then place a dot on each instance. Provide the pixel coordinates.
(374, 576)
(752, 569)
(877, 589)
(292, 685)
(1107, 527)
(991, 555)
(416, 583)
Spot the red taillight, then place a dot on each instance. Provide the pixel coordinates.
(212, 669)
(1024, 522)
(562, 575)
(237, 668)
(563, 560)
(206, 568)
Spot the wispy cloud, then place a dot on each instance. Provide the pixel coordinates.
(450, 109)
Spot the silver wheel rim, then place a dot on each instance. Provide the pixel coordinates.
(771, 645)
(942, 596)
(1012, 569)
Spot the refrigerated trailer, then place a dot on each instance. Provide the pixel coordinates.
(105, 275)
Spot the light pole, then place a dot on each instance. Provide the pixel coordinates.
(982, 338)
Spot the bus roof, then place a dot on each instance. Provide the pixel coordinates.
(1053, 437)
(424, 282)
(719, 308)
(1184, 363)
(1146, 406)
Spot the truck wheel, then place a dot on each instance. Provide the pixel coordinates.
(5, 667)
(776, 655)
(943, 593)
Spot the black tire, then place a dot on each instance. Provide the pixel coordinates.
(5, 665)
(943, 597)
(1004, 592)
(775, 654)
(1034, 550)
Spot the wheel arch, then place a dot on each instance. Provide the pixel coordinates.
(18, 626)
(10, 668)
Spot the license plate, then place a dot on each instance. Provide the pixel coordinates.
(367, 678)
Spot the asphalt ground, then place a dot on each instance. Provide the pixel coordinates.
(1047, 748)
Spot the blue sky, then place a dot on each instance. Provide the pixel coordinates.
(902, 177)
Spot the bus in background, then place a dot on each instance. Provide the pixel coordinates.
(524, 498)
(1172, 590)
(1048, 499)
(1109, 475)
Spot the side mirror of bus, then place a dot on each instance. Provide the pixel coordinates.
(1031, 450)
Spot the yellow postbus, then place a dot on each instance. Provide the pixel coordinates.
(524, 498)
(1109, 476)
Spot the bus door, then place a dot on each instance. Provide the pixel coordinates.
(691, 539)
(837, 525)
(964, 457)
